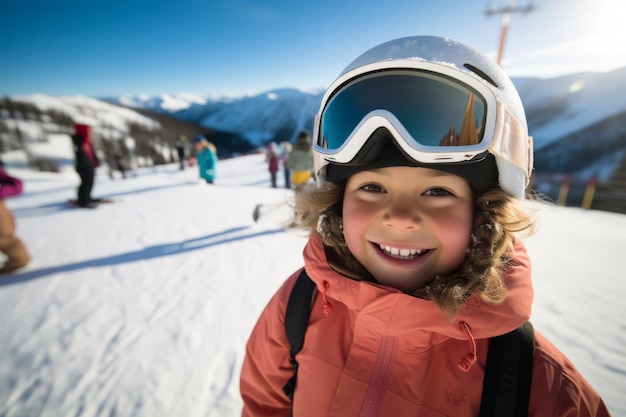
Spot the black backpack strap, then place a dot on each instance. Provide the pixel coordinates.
(506, 386)
(297, 321)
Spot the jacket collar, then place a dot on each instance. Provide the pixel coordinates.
(400, 313)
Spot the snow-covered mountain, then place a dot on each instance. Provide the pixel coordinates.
(32, 119)
(560, 107)
(83, 109)
(578, 122)
(165, 101)
(276, 115)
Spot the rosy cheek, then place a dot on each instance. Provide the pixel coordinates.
(454, 232)
(355, 220)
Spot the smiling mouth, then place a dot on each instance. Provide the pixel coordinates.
(404, 254)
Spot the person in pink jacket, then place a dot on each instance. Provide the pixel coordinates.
(422, 158)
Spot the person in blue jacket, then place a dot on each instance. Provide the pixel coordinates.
(206, 156)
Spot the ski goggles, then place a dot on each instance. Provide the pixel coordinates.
(435, 117)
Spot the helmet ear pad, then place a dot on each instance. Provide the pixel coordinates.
(381, 151)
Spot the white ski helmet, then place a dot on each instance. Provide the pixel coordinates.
(415, 92)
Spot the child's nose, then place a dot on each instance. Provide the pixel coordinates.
(402, 216)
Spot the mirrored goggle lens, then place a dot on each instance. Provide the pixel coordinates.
(434, 110)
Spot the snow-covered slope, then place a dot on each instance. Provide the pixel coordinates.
(91, 111)
(143, 307)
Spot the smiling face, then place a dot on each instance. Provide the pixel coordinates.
(406, 225)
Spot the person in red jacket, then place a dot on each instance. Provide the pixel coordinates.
(272, 162)
(86, 163)
(422, 157)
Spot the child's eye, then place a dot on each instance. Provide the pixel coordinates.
(438, 192)
(373, 188)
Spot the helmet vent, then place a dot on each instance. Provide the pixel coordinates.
(480, 74)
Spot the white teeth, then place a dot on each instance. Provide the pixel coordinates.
(401, 253)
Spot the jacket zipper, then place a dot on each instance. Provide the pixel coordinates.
(380, 378)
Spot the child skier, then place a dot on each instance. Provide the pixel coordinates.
(422, 161)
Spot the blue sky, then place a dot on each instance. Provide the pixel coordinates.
(112, 47)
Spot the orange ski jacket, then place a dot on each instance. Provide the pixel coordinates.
(372, 350)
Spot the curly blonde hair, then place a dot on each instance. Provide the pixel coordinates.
(498, 219)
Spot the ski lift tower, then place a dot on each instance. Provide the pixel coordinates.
(506, 11)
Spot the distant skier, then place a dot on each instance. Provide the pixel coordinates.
(272, 162)
(286, 149)
(206, 155)
(300, 161)
(86, 164)
(182, 149)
